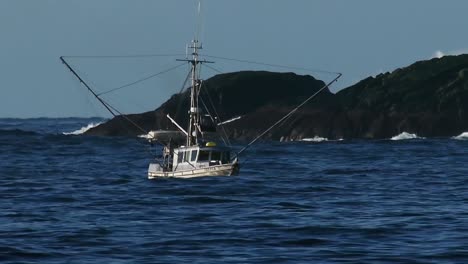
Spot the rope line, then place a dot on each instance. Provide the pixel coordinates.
(217, 116)
(214, 69)
(288, 115)
(181, 99)
(141, 80)
(224, 138)
(122, 56)
(272, 65)
(109, 107)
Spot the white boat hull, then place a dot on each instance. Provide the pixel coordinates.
(218, 170)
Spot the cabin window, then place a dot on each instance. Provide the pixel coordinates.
(215, 155)
(226, 157)
(203, 156)
(186, 158)
(180, 157)
(194, 156)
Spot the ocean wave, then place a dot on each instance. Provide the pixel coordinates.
(163, 135)
(16, 132)
(462, 136)
(150, 135)
(406, 136)
(315, 139)
(83, 129)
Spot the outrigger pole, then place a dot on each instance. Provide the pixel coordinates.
(87, 87)
(104, 103)
(288, 115)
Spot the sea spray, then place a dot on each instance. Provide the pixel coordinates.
(405, 136)
(315, 139)
(150, 135)
(83, 129)
(462, 136)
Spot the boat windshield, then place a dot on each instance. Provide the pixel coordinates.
(194, 156)
(203, 155)
(215, 155)
(226, 157)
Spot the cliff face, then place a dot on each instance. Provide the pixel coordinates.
(429, 98)
(232, 95)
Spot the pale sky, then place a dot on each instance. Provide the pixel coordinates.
(359, 38)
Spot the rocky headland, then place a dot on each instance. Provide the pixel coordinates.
(428, 98)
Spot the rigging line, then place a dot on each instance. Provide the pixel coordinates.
(207, 110)
(88, 98)
(204, 105)
(109, 108)
(87, 86)
(226, 139)
(272, 65)
(286, 120)
(185, 82)
(141, 80)
(288, 115)
(132, 122)
(213, 68)
(214, 122)
(123, 56)
(217, 115)
(181, 99)
(214, 109)
(135, 124)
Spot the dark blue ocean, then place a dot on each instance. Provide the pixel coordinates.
(81, 199)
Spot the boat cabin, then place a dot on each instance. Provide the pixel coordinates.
(200, 157)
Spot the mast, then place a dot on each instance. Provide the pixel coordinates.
(193, 131)
(192, 138)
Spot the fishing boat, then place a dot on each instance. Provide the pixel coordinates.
(199, 156)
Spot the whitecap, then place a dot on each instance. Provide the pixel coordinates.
(83, 129)
(150, 135)
(462, 136)
(315, 139)
(405, 136)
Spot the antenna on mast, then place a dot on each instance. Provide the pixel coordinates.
(199, 21)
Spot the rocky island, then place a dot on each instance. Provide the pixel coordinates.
(428, 98)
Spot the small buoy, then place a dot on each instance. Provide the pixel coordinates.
(210, 144)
